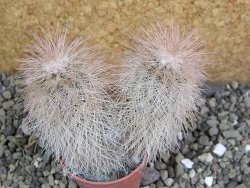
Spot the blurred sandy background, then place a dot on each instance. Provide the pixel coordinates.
(225, 26)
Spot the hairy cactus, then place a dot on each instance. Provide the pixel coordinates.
(69, 110)
(160, 89)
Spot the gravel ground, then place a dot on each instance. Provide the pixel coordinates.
(216, 154)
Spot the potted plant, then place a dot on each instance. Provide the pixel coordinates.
(95, 135)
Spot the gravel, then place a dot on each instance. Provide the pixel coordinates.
(224, 123)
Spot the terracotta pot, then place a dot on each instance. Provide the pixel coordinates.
(132, 180)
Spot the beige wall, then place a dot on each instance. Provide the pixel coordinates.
(225, 26)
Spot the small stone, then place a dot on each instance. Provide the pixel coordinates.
(212, 123)
(178, 170)
(46, 173)
(232, 173)
(17, 155)
(187, 163)
(165, 157)
(12, 168)
(241, 186)
(231, 142)
(159, 183)
(179, 157)
(36, 164)
(235, 85)
(45, 185)
(61, 185)
(209, 181)
(213, 131)
(247, 101)
(72, 184)
(22, 185)
(2, 88)
(247, 148)
(51, 180)
(8, 104)
(150, 175)
(169, 182)
(232, 134)
(171, 172)
(228, 154)
(7, 94)
(212, 102)
(192, 173)
(203, 140)
(2, 149)
(206, 157)
(159, 165)
(219, 149)
(164, 175)
(224, 126)
(2, 112)
(233, 118)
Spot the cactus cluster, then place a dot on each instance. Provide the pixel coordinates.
(70, 109)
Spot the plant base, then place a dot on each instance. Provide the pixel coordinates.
(132, 180)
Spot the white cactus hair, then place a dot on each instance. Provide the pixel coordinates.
(67, 104)
(160, 88)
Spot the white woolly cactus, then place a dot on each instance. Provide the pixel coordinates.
(160, 89)
(68, 106)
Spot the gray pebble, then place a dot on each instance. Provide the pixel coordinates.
(212, 102)
(213, 131)
(165, 157)
(7, 94)
(179, 169)
(212, 123)
(45, 185)
(159, 184)
(169, 182)
(179, 157)
(224, 126)
(235, 85)
(159, 165)
(247, 101)
(150, 175)
(51, 180)
(2, 149)
(232, 134)
(2, 112)
(203, 140)
(171, 172)
(8, 104)
(72, 184)
(12, 168)
(164, 175)
(232, 173)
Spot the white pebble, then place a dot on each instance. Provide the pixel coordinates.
(209, 181)
(235, 122)
(247, 148)
(219, 149)
(36, 164)
(206, 157)
(187, 163)
(192, 173)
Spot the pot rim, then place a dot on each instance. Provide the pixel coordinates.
(140, 167)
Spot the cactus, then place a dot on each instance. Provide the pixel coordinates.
(75, 117)
(69, 109)
(159, 89)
